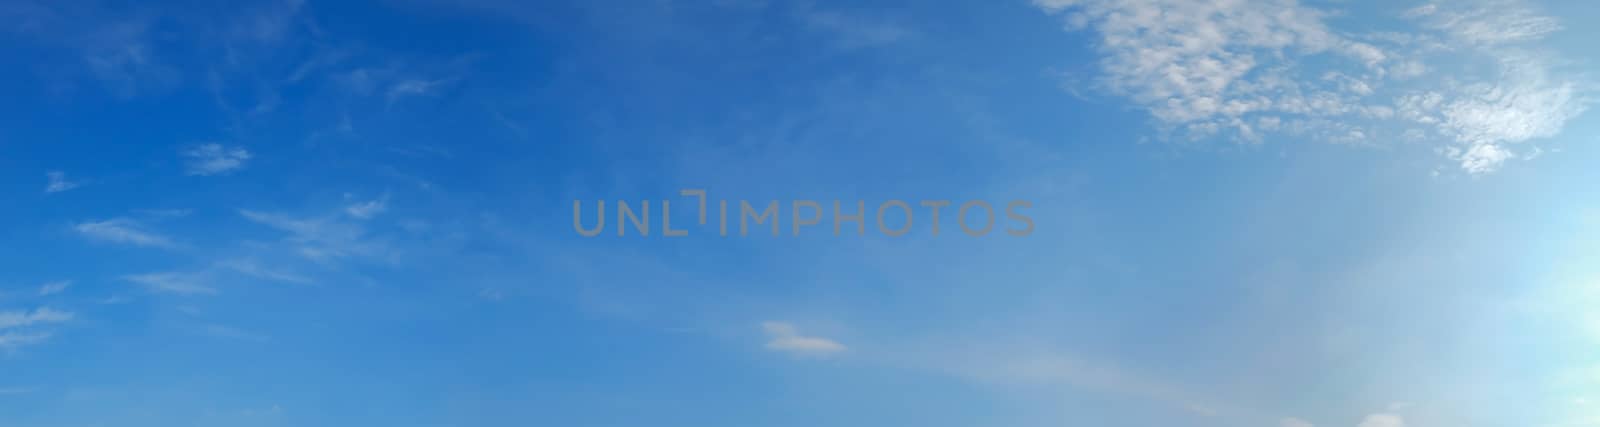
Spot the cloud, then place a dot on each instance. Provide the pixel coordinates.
(214, 159)
(1294, 422)
(251, 268)
(202, 281)
(12, 340)
(1487, 25)
(321, 239)
(783, 337)
(123, 231)
(412, 87)
(1382, 420)
(1485, 116)
(114, 299)
(114, 47)
(145, 49)
(123, 56)
(21, 328)
(267, 24)
(368, 209)
(1248, 70)
(53, 288)
(853, 31)
(18, 319)
(173, 283)
(58, 182)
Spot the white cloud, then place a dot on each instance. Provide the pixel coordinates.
(124, 231)
(53, 288)
(125, 60)
(1245, 70)
(21, 328)
(173, 283)
(11, 340)
(321, 239)
(214, 159)
(1294, 422)
(57, 182)
(251, 268)
(44, 315)
(1487, 25)
(1382, 420)
(1484, 116)
(203, 281)
(368, 209)
(114, 299)
(786, 338)
(412, 87)
(854, 31)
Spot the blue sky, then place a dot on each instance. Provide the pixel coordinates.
(1247, 213)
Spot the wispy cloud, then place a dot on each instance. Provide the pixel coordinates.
(784, 337)
(1294, 422)
(43, 315)
(22, 328)
(853, 31)
(268, 23)
(173, 283)
(123, 231)
(1503, 23)
(321, 239)
(522, 132)
(12, 340)
(53, 288)
(412, 87)
(253, 269)
(368, 209)
(57, 182)
(205, 281)
(1247, 70)
(214, 159)
(114, 299)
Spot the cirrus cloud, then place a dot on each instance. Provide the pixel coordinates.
(22, 328)
(123, 231)
(784, 337)
(57, 182)
(1246, 70)
(214, 159)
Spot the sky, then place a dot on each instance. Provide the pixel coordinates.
(1270, 213)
